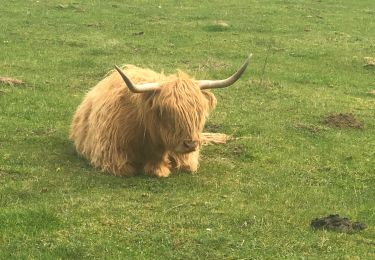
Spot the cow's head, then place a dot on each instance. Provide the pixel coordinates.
(175, 110)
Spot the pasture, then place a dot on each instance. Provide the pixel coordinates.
(253, 197)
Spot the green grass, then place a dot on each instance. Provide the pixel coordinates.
(254, 197)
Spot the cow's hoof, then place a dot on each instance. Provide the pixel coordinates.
(161, 171)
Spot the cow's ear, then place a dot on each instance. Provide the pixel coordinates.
(210, 98)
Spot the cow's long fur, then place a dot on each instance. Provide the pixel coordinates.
(123, 132)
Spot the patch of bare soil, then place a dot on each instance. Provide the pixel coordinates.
(10, 81)
(343, 120)
(337, 223)
(215, 128)
(238, 150)
(3, 173)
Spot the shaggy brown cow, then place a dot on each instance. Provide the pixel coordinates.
(139, 120)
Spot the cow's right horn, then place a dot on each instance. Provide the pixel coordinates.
(137, 88)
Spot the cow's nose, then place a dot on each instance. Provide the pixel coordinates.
(191, 144)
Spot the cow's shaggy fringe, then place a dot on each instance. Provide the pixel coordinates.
(123, 132)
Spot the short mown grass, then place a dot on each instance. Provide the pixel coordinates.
(254, 197)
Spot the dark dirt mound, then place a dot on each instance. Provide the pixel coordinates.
(337, 223)
(342, 120)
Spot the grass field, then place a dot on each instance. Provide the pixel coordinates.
(254, 197)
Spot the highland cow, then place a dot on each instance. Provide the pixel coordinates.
(138, 120)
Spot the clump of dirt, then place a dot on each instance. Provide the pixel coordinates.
(343, 120)
(238, 150)
(337, 223)
(215, 128)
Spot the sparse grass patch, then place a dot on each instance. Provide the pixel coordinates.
(253, 197)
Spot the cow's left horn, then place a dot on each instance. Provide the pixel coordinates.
(137, 88)
(206, 84)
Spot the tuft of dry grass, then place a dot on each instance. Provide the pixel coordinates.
(11, 81)
(369, 61)
(214, 138)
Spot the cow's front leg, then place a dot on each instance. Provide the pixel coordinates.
(158, 168)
